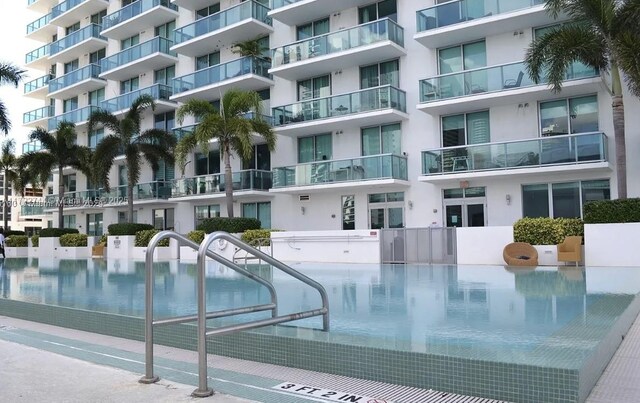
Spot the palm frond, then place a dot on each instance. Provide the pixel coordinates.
(105, 118)
(10, 74)
(627, 49)
(211, 127)
(159, 137)
(238, 102)
(40, 165)
(154, 153)
(186, 144)
(250, 47)
(5, 123)
(138, 106)
(106, 151)
(197, 108)
(45, 138)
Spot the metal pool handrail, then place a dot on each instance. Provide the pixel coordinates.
(149, 322)
(203, 389)
(257, 243)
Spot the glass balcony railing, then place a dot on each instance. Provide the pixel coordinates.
(243, 11)
(64, 7)
(455, 12)
(74, 38)
(31, 146)
(39, 23)
(144, 49)
(281, 3)
(539, 152)
(372, 167)
(134, 9)
(489, 79)
(250, 179)
(85, 198)
(31, 209)
(37, 114)
(38, 53)
(124, 101)
(36, 84)
(74, 77)
(221, 72)
(334, 42)
(75, 116)
(141, 191)
(370, 99)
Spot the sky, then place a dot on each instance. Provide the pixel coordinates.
(14, 18)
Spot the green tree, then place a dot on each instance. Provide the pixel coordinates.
(14, 172)
(125, 137)
(9, 74)
(231, 126)
(602, 34)
(251, 47)
(59, 150)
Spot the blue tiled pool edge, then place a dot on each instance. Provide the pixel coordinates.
(511, 382)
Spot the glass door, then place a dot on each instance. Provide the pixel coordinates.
(465, 213)
(377, 218)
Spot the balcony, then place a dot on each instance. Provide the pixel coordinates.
(247, 73)
(370, 171)
(147, 56)
(249, 181)
(37, 88)
(497, 85)
(247, 20)
(372, 106)
(544, 155)
(41, 29)
(142, 192)
(71, 11)
(77, 44)
(38, 59)
(75, 199)
(78, 116)
(191, 4)
(77, 82)
(31, 210)
(37, 117)
(127, 21)
(460, 21)
(160, 93)
(31, 147)
(364, 44)
(296, 12)
(41, 6)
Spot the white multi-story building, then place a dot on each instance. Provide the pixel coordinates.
(388, 113)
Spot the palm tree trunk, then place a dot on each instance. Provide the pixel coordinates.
(618, 131)
(228, 180)
(130, 199)
(60, 198)
(5, 207)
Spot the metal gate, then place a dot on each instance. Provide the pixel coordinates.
(418, 245)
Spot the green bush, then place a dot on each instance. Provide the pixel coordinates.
(253, 235)
(196, 236)
(18, 241)
(73, 240)
(103, 240)
(12, 232)
(127, 228)
(546, 231)
(143, 238)
(35, 241)
(56, 232)
(231, 225)
(612, 211)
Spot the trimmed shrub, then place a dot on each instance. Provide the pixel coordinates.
(143, 238)
(17, 241)
(12, 232)
(56, 232)
(103, 240)
(546, 231)
(612, 211)
(73, 240)
(252, 236)
(571, 226)
(127, 228)
(231, 225)
(35, 241)
(196, 236)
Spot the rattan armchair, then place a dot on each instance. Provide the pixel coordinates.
(570, 250)
(520, 254)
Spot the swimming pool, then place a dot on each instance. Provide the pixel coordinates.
(526, 335)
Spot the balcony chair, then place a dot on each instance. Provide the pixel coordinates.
(570, 250)
(520, 254)
(514, 83)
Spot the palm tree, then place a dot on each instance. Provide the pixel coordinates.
(602, 34)
(231, 126)
(9, 74)
(14, 173)
(251, 47)
(124, 136)
(58, 151)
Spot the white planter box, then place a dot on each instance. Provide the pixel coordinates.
(611, 244)
(10, 251)
(78, 252)
(33, 251)
(547, 255)
(482, 245)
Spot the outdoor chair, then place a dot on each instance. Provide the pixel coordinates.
(520, 254)
(510, 83)
(570, 250)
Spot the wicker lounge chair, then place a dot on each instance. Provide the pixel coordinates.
(570, 250)
(520, 254)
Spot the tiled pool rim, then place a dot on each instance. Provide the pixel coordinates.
(504, 381)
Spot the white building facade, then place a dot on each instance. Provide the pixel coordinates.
(395, 113)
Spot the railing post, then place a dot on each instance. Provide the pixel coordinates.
(148, 316)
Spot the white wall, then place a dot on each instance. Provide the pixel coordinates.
(327, 246)
(612, 244)
(482, 245)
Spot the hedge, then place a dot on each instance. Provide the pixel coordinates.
(546, 231)
(196, 236)
(35, 241)
(127, 228)
(227, 224)
(143, 238)
(251, 236)
(56, 232)
(73, 240)
(17, 241)
(612, 211)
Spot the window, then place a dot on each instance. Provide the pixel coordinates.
(95, 137)
(386, 210)
(129, 42)
(572, 115)
(575, 69)
(386, 73)
(53, 71)
(127, 2)
(97, 17)
(265, 94)
(204, 212)
(462, 57)
(123, 217)
(381, 140)
(562, 199)
(208, 164)
(166, 30)
(71, 66)
(129, 85)
(311, 29)
(379, 10)
(261, 158)
(94, 224)
(95, 57)
(163, 219)
(314, 88)
(95, 97)
(70, 104)
(207, 11)
(466, 128)
(72, 28)
(69, 221)
(314, 148)
(165, 75)
(348, 212)
(202, 62)
(123, 178)
(69, 182)
(164, 121)
(261, 211)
